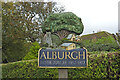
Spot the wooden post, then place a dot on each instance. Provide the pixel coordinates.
(63, 74)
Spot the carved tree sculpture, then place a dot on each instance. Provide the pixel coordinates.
(62, 24)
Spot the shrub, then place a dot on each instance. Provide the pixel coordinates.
(14, 50)
(33, 52)
(103, 44)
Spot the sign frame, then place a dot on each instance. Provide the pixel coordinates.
(64, 67)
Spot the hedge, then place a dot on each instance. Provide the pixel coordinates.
(103, 65)
(103, 44)
(100, 66)
(27, 69)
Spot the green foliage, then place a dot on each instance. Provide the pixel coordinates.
(104, 65)
(27, 69)
(65, 40)
(63, 21)
(44, 44)
(19, 18)
(97, 35)
(99, 66)
(103, 44)
(56, 40)
(14, 50)
(20, 26)
(33, 52)
(14, 45)
(118, 37)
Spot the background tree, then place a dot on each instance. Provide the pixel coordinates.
(21, 25)
(13, 38)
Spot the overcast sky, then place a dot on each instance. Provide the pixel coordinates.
(96, 15)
